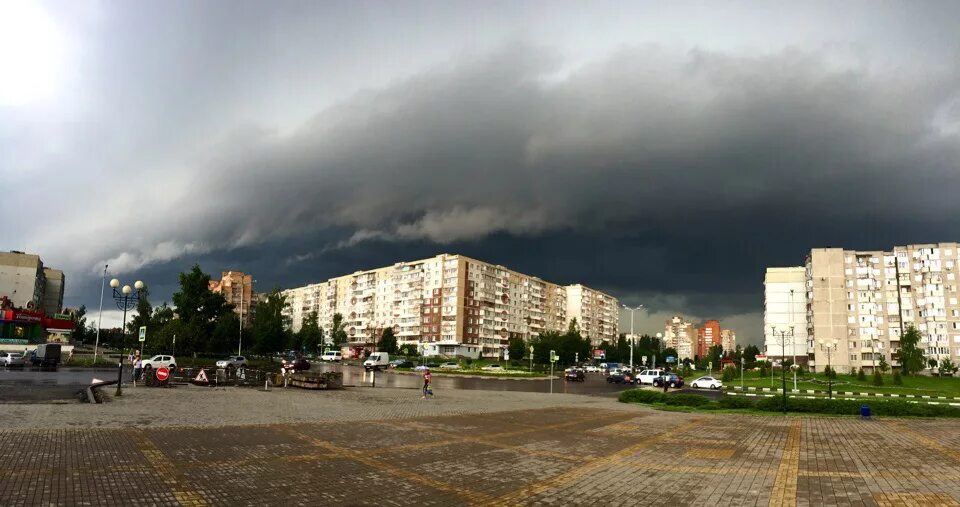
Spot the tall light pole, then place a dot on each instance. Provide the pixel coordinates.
(126, 299)
(625, 307)
(783, 374)
(103, 282)
(659, 345)
(793, 343)
(828, 347)
(240, 341)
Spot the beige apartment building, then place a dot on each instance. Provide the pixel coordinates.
(450, 305)
(237, 289)
(864, 300)
(682, 336)
(728, 340)
(28, 284)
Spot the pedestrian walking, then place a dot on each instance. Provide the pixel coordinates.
(137, 369)
(427, 388)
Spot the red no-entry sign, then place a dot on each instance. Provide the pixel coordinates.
(162, 374)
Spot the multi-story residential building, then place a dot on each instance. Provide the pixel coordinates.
(450, 305)
(24, 282)
(728, 340)
(785, 314)
(596, 313)
(708, 335)
(682, 336)
(865, 300)
(237, 289)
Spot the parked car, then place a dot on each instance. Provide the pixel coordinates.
(295, 365)
(449, 365)
(620, 377)
(12, 359)
(401, 363)
(706, 383)
(159, 361)
(47, 354)
(332, 355)
(377, 361)
(649, 376)
(671, 379)
(493, 367)
(232, 362)
(574, 375)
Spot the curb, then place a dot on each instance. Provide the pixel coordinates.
(849, 393)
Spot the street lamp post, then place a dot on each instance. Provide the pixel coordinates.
(828, 347)
(783, 373)
(659, 343)
(240, 341)
(625, 307)
(126, 299)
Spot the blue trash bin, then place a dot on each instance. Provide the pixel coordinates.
(865, 411)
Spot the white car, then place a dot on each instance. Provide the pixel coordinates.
(232, 362)
(493, 367)
(450, 366)
(332, 355)
(706, 383)
(11, 359)
(648, 376)
(592, 369)
(159, 361)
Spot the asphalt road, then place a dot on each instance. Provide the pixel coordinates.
(30, 384)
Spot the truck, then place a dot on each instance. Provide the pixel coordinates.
(47, 354)
(377, 361)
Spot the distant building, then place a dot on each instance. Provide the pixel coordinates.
(682, 336)
(864, 301)
(28, 284)
(785, 314)
(708, 335)
(728, 340)
(237, 289)
(450, 305)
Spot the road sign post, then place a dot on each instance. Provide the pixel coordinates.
(163, 374)
(553, 359)
(531, 359)
(143, 334)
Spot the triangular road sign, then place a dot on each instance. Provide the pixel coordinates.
(202, 377)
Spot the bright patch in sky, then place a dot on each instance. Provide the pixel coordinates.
(31, 50)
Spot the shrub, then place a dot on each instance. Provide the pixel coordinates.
(852, 407)
(641, 396)
(861, 375)
(686, 400)
(897, 379)
(468, 361)
(830, 373)
(729, 374)
(877, 378)
(736, 402)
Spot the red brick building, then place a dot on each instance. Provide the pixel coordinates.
(708, 335)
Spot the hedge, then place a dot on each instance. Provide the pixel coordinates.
(686, 400)
(641, 396)
(736, 402)
(852, 407)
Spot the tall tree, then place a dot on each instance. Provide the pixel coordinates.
(517, 348)
(143, 315)
(910, 354)
(714, 354)
(750, 353)
(80, 325)
(311, 334)
(269, 333)
(388, 342)
(337, 333)
(198, 307)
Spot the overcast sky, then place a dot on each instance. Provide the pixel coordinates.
(664, 152)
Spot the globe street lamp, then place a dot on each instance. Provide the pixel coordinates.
(828, 347)
(126, 299)
(783, 348)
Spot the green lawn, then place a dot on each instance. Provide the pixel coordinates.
(915, 385)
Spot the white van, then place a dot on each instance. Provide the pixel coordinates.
(647, 376)
(377, 361)
(331, 355)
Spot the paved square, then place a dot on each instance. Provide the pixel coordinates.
(577, 453)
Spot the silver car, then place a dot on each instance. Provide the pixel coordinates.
(11, 359)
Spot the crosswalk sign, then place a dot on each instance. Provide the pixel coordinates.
(143, 333)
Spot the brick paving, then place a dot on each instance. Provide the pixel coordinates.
(548, 455)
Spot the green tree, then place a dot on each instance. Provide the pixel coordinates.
(729, 374)
(861, 375)
(143, 316)
(623, 348)
(883, 365)
(225, 336)
(311, 334)
(198, 308)
(910, 354)
(714, 354)
(80, 325)
(897, 379)
(388, 342)
(877, 378)
(337, 332)
(517, 348)
(750, 353)
(268, 329)
(947, 366)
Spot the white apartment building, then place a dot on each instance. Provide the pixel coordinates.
(682, 336)
(450, 305)
(785, 314)
(865, 300)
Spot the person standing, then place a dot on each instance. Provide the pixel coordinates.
(426, 384)
(137, 368)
